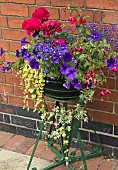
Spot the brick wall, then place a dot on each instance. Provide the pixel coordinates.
(12, 13)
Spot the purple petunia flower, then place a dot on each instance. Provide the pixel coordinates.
(67, 57)
(23, 41)
(1, 51)
(17, 53)
(34, 64)
(67, 85)
(95, 36)
(76, 84)
(111, 62)
(71, 73)
(35, 34)
(8, 67)
(63, 68)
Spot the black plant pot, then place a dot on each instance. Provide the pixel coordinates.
(55, 90)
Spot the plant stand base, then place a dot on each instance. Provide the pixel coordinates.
(60, 156)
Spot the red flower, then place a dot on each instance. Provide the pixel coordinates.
(82, 21)
(107, 91)
(31, 25)
(57, 41)
(101, 93)
(73, 20)
(41, 13)
(51, 27)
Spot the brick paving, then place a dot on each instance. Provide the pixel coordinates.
(21, 144)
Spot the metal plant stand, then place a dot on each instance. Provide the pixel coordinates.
(60, 155)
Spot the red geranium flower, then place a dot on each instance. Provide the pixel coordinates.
(31, 25)
(41, 13)
(51, 27)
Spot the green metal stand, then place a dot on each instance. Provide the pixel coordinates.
(60, 155)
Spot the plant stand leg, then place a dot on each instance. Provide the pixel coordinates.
(81, 147)
(35, 146)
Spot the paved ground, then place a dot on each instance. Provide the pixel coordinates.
(15, 151)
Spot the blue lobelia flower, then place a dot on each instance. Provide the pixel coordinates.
(34, 64)
(76, 84)
(67, 57)
(95, 36)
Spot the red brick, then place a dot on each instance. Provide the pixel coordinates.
(116, 108)
(3, 98)
(25, 145)
(2, 0)
(78, 3)
(54, 12)
(2, 78)
(40, 148)
(5, 88)
(92, 164)
(15, 45)
(97, 16)
(110, 17)
(101, 105)
(12, 79)
(110, 84)
(2, 58)
(10, 58)
(117, 84)
(30, 103)
(14, 9)
(1, 33)
(4, 138)
(102, 4)
(105, 117)
(43, 2)
(4, 44)
(23, 1)
(47, 155)
(3, 21)
(113, 96)
(18, 91)
(13, 34)
(15, 100)
(107, 164)
(15, 22)
(14, 142)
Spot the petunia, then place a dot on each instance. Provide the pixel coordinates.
(1, 51)
(71, 72)
(23, 41)
(76, 84)
(67, 85)
(110, 63)
(17, 53)
(56, 59)
(67, 57)
(34, 64)
(63, 68)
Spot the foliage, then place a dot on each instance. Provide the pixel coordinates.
(78, 57)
